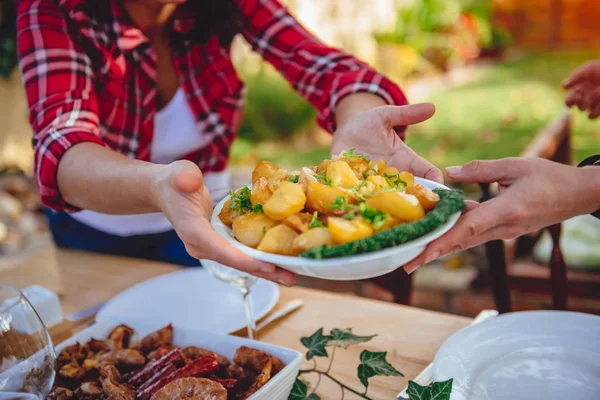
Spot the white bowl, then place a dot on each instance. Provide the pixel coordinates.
(361, 266)
(277, 388)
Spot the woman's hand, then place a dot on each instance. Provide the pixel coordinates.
(534, 193)
(182, 197)
(371, 132)
(583, 87)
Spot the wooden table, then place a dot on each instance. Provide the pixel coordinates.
(411, 336)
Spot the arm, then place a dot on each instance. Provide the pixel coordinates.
(534, 193)
(321, 74)
(75, 169)
(352, 99)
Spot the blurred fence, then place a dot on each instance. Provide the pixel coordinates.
(551, 23)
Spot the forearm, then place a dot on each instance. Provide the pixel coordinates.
(355, 103)
(588, 196)
(95, 178)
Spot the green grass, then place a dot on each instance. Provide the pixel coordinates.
(499, 114)
(495, 116)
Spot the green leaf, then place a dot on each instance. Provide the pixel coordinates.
(315, 222)
(441, 390)
(316, 344)
(374, 364)
(437, 391)
(300, 391)
(293, 179)
(257, 208)
(418, 392)
(344, 338)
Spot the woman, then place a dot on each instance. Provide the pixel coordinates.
(135, 103)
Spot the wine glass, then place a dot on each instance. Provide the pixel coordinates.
(27, 358)
(241, 280)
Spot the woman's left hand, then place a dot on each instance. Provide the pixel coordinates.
(371, 133)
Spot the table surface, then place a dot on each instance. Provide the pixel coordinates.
(411, 336)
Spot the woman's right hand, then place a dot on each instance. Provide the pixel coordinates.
(181, 195)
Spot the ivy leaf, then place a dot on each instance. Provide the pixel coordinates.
(418, 392)
(437, 391)
(300, 391)
(441, 390)
(374, 364)
(316, 344)
(344, 338)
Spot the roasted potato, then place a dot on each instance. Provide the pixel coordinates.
(379, 182)
(359, 165)
(264, 169)
(389, 171)
(251, 228)
(278, 240)
(377, 166)
(427, 198)
(320, 197)
(278, 177)
(342, 175)
(323, 165)
(286, 200)
(408, 178)
(405, 207)
(260, 191)
(310, 239)
(299, 222)
(346, 230)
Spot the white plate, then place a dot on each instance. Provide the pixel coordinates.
(362, 266)
(278, 388)
(548, 355)
(191, 298)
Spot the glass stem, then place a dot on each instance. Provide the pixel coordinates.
(251, 323)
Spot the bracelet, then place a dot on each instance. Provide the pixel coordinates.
(593, 160)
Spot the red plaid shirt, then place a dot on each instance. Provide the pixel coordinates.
(94, 81)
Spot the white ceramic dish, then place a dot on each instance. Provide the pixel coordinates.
(362, 266)
(548, 355)
(192, 299)
(278, 388)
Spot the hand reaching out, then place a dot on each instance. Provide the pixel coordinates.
(534, 193)
(583, 87)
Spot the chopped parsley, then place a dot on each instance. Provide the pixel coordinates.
(240, 202)
(357, 194)
(315, 222)
(351, 154)
(340, 204)
(293, 179)
(323, 177)
(365, 175)
(394, 180)
(264, 230)
(376, 217)
(257, 208)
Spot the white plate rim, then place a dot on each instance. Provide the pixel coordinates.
(274, 298)
(277, 259)
(456, 338)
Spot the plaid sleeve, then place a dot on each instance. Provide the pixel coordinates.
(322, 75)
(58, 81)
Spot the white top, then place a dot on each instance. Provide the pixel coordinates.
(175, 135)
